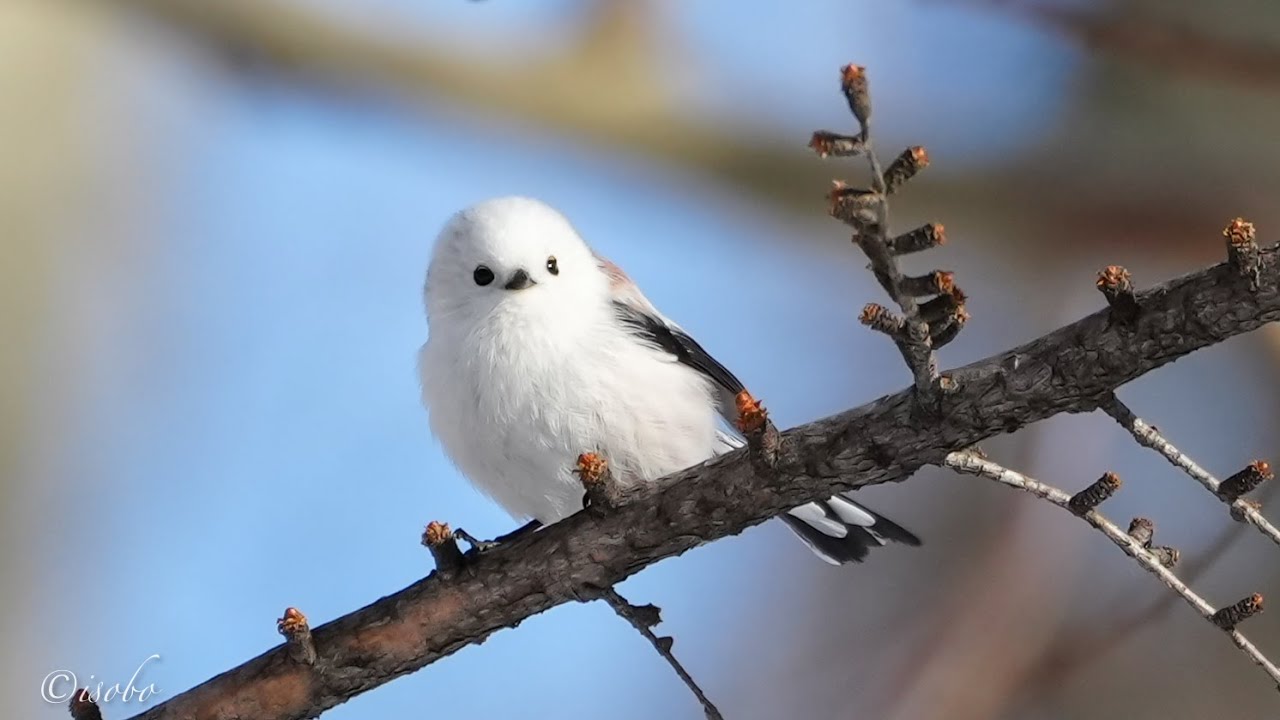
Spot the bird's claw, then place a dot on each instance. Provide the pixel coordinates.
(479, 547)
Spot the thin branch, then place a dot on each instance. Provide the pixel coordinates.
(1226, 618)
(868, 213)
(922, 238)
(1148, 436)
(631, 109)
(1080, 650)
(643, 618)
(1175, 48)
(603, 494)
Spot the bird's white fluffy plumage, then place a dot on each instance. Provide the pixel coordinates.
(521, 374)
(519, 382)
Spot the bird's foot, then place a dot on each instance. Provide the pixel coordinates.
(479, 547)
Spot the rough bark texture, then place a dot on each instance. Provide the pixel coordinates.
(1072, 369)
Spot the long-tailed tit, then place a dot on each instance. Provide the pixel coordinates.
(539, 349)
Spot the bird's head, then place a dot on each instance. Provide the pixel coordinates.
(514, 258)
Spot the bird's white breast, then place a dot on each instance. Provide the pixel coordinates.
(513, 409)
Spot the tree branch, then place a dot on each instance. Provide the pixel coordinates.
(1082, 649)
(1073, 369)
(643, 618)
(603, 494)
(1148, 436)
(1225, 618)
(867, 212)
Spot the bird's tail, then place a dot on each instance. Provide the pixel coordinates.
(838, 529)
(841, 531)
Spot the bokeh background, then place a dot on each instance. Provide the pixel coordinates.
(216, 219)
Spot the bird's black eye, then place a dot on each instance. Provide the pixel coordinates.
(482, 275)
(552, 266)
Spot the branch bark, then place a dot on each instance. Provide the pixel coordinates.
(1073, 369)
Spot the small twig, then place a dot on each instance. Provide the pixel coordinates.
(1091, 497)
(602, 493)
(1167, 556)
(904, 167)
(643, 618)
(1148, 436)
(882, 319)
(83, 706)
(946, 330)
(967, 462)
(293, 626)
(1117, 286)
(942, 306)
(1243, 252)
(1086, 649)
(762, 436)
(853, 81)
(1229, 617)
(439, 539)
(827, 143)
(858, 208)
(1143, 532)
(922, 238)
(867, 211)
(1245, 481)
(938, 282)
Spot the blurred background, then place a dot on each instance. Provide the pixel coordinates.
(216, 220)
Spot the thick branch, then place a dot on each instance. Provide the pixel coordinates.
(1073, 369)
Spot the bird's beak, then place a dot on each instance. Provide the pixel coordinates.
(519, 281)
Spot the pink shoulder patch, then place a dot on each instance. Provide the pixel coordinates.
(617, 278)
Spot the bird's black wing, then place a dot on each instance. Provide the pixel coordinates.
(658, 332)
(843, 530)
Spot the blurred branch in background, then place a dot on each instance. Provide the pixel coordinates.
(602, 87)
(1131, 32)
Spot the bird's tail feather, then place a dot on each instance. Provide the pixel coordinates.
(838, 530)
(841, 531)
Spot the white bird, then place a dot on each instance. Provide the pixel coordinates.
(538, 349)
